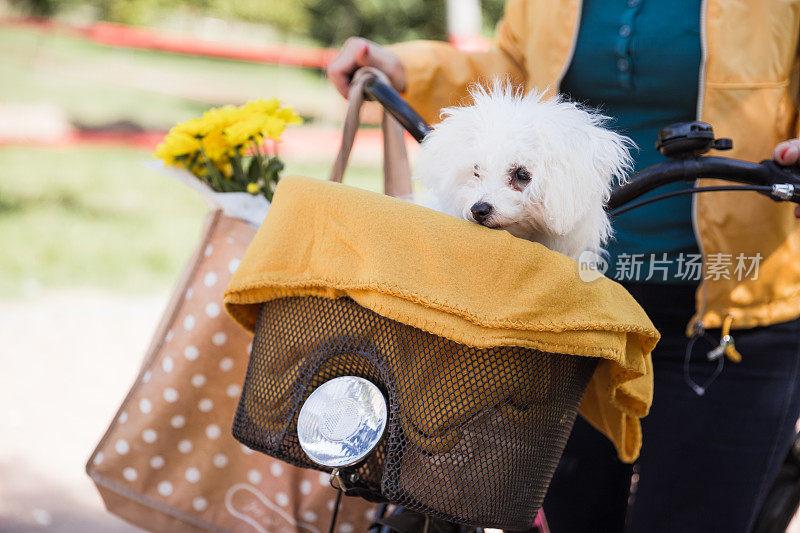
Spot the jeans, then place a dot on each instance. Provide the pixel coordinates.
(707, 461)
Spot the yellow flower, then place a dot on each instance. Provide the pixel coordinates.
(224, 135)
(215, 145)
(162, 152)
(199, 170)
(288, 115)
(197, 127)
(241, 132)
(263, 107)
(273, 127)
(176, 144)
(220, 118)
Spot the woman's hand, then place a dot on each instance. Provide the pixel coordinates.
(358, 52)
(788, 153)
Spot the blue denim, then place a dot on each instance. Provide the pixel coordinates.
(707, 461)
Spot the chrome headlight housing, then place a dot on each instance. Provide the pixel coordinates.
(342, 421)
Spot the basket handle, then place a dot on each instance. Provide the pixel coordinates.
(396, 171)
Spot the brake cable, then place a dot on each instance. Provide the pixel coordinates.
(756, 188)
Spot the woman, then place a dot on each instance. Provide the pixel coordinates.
(710, 449)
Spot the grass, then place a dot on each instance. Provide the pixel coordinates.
(95, 217)
(91, 217)
(95, 84)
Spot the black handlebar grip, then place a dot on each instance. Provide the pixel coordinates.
(395, 105)
(767, 173)
(780, 174)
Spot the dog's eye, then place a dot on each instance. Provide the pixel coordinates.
(476, 171)
(522, 175)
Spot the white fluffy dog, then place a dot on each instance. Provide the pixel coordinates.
(539, 168)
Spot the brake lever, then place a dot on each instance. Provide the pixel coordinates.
(781, 174)
(784, 182)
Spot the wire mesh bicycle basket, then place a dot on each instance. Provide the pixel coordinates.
(483, 372)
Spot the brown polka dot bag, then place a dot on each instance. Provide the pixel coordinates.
(168, 461)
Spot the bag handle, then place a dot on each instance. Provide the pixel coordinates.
(396, 171)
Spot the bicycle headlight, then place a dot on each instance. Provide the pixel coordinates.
(342, 421)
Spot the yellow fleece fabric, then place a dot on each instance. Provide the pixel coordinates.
(455, 279)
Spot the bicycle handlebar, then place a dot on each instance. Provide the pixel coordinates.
(767, 173)
(784, 184)
(395, 105)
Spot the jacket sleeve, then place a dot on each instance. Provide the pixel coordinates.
(438, 75)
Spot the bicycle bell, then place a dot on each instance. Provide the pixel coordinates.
(689, 139)
(342, 421)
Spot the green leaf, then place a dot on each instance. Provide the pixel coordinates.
(238, 172)
(254, 172)
(274, 168)
(271, 176)
(218, 178)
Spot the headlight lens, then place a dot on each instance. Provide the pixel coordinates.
(342, 421)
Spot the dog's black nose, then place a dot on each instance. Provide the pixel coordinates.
(481, 211)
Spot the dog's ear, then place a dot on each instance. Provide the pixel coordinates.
(431, 154)
(564, 199)
(611, 157)
(590, 160)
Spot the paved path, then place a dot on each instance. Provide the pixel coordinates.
(67, 361)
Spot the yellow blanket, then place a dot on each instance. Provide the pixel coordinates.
(455, 279)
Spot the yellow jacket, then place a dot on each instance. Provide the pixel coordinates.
(748, 91)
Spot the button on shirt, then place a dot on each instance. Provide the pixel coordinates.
(638, 61)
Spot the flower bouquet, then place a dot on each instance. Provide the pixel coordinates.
(168, 461)
(228, 155)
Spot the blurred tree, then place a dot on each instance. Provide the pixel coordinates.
(387, 21)
(383, 21)
(329, 22)
(285, 16)
(492, 13)
(127, 11)
(36, 8)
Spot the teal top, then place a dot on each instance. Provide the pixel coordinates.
(638, 61)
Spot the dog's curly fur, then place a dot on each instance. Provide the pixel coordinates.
(544, 166)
